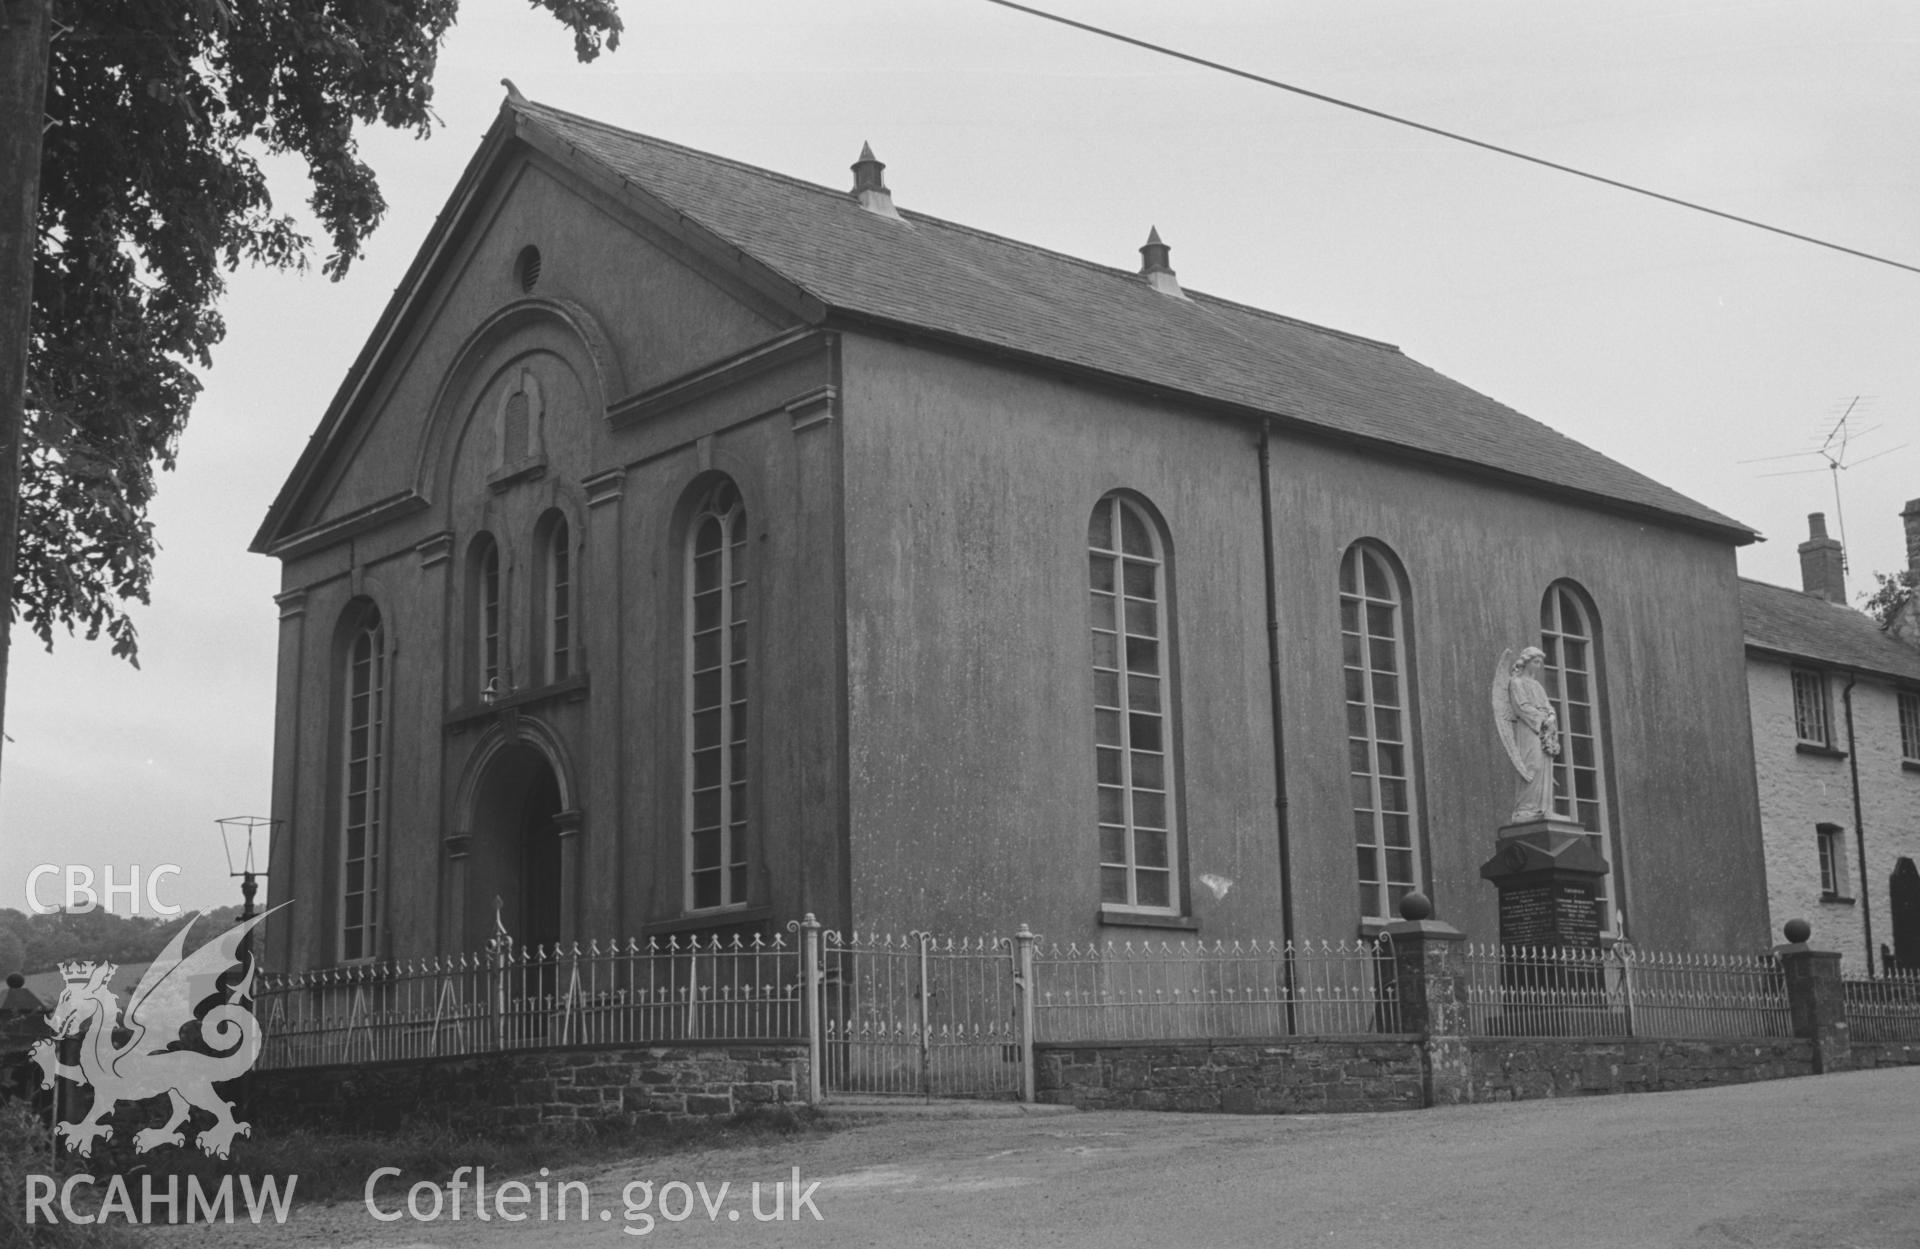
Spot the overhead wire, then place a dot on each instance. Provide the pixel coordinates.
(1455, 136)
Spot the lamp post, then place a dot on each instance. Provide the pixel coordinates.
(237, 835)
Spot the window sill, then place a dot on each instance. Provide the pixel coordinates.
(529, 469)
(1910, 765)
(701, 921)
(1120, 917)
(1834, 899)
(1824, 752)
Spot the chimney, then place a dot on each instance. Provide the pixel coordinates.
(1910, 516)
(868, 187)
(1823, 562)
(1154, 267)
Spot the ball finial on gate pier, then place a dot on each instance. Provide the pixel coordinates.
(1416, 906)
(1797, 931)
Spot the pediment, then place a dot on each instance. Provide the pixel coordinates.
(618, 303)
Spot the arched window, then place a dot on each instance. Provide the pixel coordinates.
(489, 657)
(362, 786)
(1380, 756)
(1569, 635)
(556, 599)
(1132, 741)
(716, 635)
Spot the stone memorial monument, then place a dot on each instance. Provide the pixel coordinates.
(1545, 867)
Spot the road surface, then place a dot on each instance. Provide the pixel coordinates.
(1830, 1161)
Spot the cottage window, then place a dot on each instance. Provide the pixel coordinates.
(1133, 748)
(362, 787)
(1811, 723)
(1379, 743)
(1833, 862)
(1569, 634)
(716, 633)
(1910, 727)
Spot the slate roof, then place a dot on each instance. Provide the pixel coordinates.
(955, 281)
(1807, 626)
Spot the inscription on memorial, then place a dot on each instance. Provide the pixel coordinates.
(1559, 913)
(1526, 915)
(1578, 915)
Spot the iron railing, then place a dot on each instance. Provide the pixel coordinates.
(509, 997)
(1623, 991)
(920, 1014)
(1887, 1009)
(1193, 990)
(930, 1015)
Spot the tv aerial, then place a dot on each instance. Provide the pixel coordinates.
(1836, 448)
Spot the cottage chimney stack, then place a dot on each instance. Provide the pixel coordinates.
(1154, 266)
(1910, 517)
(868, 186)
(1823, 562)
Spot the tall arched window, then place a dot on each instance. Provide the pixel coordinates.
(1569, 635)
(489, 667)
(1380, 762)
(556, 599)
(1132, 741)
(716, 625)
(362, 787)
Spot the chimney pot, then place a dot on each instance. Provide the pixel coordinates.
(1823, 562)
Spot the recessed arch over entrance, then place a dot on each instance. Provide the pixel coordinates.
(515, 845)
(518, 842)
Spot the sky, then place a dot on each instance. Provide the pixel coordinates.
(1684, 346)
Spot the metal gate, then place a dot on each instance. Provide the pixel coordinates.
(925, 1016)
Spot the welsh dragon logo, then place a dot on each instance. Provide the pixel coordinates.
(149, 1061)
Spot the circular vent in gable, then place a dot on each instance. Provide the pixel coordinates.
(526, 270)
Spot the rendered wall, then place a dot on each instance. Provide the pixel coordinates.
(969, 485)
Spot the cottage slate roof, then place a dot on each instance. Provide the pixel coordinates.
(952, 280)
(1807, 626)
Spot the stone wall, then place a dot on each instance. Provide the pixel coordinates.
(1275, 1077)
(537, 1088)
(1385, 1073)
(1866, 1055)
(1523, 1068)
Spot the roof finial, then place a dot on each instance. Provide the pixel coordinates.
(868, 186)
(513, 92)
(1154, 266)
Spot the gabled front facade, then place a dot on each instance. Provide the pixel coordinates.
(692, 549)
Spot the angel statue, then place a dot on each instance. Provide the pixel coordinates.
(1523, 716)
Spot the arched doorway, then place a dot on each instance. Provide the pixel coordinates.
(515, 848)
(1903, 897)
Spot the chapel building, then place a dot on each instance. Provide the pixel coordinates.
(692, 548)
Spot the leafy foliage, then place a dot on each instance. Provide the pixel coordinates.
(151, 190)
(23, 1152)
(42, 942)
(1891, 592)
